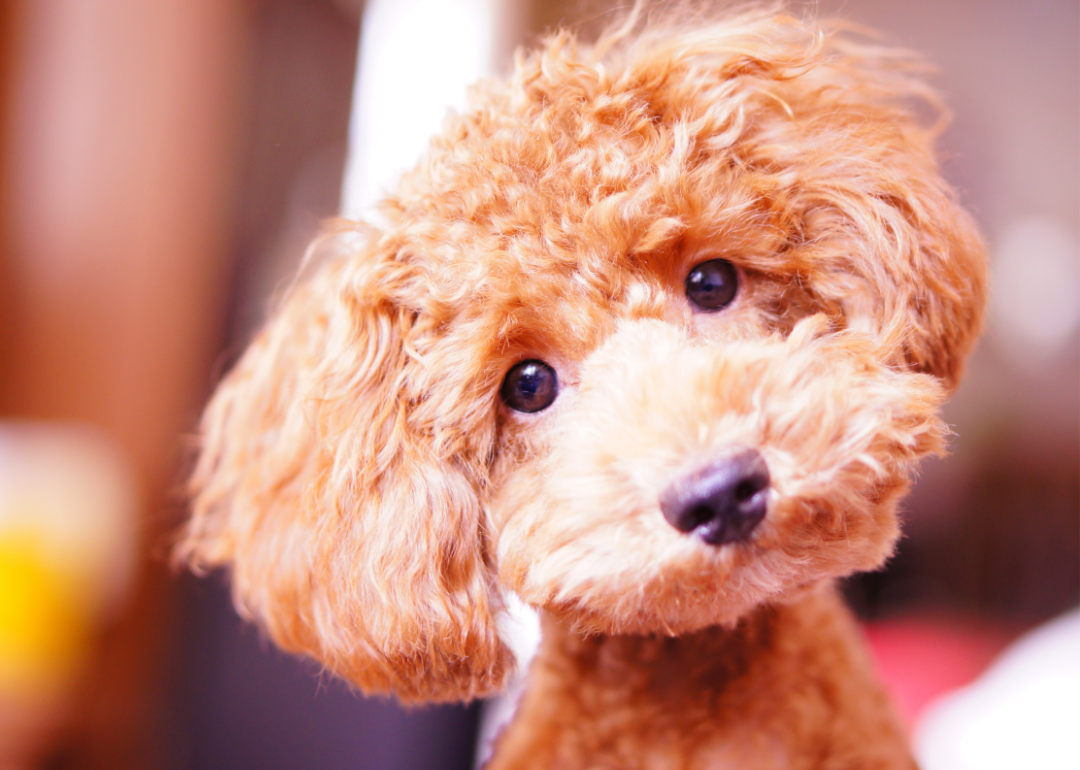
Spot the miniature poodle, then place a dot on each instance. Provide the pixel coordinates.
(654, 336)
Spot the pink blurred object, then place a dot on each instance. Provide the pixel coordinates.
(922, 657)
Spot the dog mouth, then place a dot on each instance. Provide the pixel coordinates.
(722, 502)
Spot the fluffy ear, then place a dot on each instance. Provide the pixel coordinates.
(883, 236)
(351, 537)
(902, 259)
(832, 137)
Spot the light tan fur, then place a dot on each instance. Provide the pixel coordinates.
(371, 495)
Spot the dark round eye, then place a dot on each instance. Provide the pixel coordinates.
(530, 386)
(711, 285)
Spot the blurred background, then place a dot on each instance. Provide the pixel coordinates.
(163, 164)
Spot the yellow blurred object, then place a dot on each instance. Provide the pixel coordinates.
(43, 624)
(67, 539)
(67, 544)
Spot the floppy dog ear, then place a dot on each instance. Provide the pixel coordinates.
(904, 261)
(349, 536)
(892, 246)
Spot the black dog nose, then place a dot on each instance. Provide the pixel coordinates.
(723, 501)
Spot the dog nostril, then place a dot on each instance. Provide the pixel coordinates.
(745, 490)
(723, 502)
(699, 514)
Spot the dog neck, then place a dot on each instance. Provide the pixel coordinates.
(788, 682)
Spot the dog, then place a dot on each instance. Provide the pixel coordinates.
(654, 337)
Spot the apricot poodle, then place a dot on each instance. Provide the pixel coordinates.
(654, 337)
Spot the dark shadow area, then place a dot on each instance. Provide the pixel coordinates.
(243, 704)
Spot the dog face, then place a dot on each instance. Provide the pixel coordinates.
(656, 332)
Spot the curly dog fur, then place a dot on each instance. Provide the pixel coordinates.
(372, 496)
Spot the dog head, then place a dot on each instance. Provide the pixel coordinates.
(656, 332)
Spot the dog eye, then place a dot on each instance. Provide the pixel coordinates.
(530, 386)
(711, 285)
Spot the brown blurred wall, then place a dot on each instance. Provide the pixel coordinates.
(121, 140)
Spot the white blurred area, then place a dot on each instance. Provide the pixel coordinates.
(417, 59)
(1035, 307)
(1023, 713)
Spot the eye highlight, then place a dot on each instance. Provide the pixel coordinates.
(530, 386)
(711, 285)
